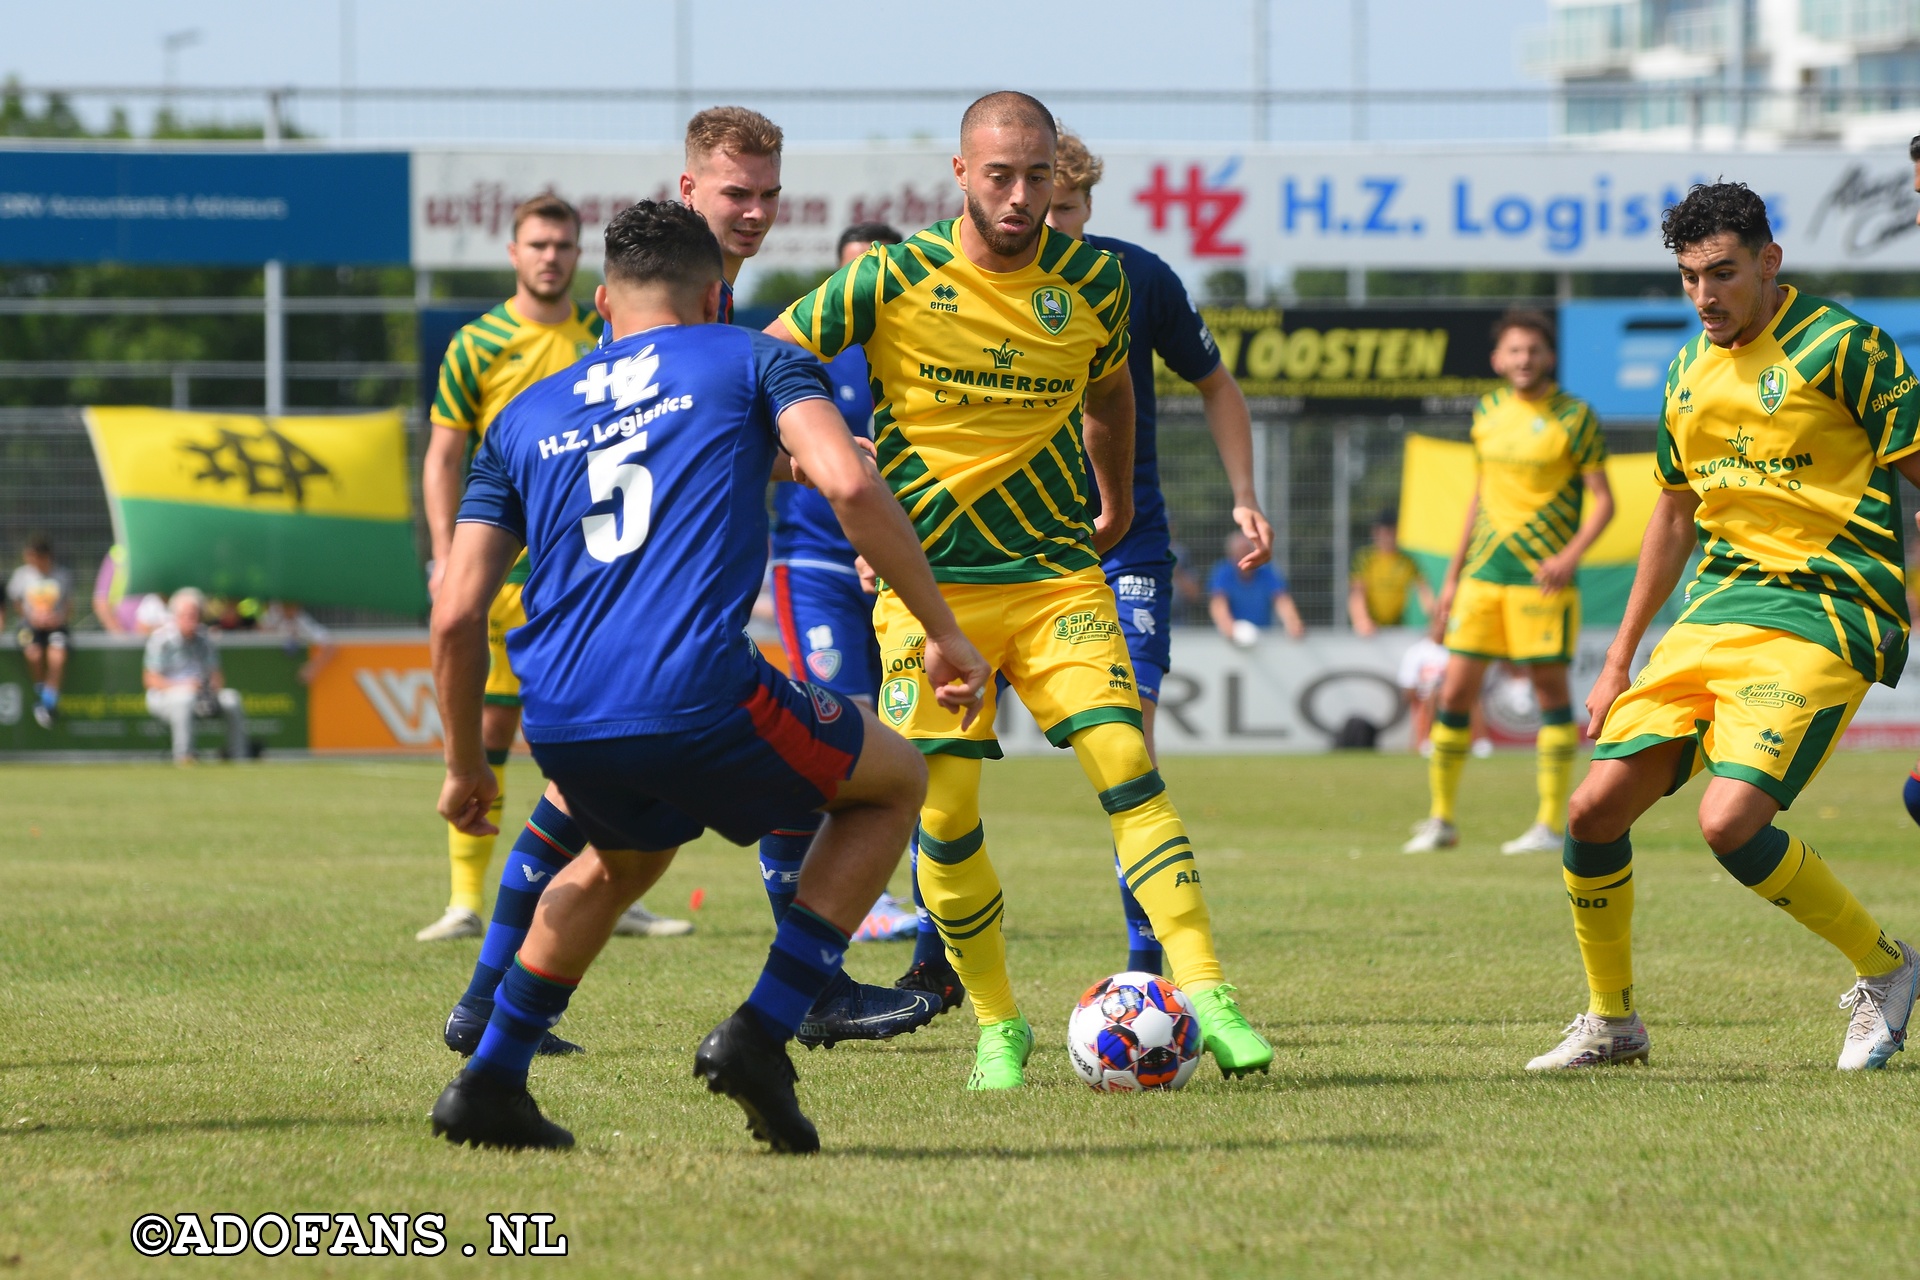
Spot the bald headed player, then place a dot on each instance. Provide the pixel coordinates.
(998, 350)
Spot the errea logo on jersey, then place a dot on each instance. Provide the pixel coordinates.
(945, 298)
(629, 380)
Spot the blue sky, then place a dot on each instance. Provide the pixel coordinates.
(1132, 44)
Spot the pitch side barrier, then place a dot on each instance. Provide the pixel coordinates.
(374, 695)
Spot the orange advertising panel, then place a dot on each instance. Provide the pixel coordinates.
(375, 697)
(379, 697)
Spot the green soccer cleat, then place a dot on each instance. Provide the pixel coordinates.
(1002, 1054)
(1236, 1047)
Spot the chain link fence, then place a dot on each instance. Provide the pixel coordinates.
(1322, 480)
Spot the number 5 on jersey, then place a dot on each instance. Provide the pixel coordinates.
(609, 471)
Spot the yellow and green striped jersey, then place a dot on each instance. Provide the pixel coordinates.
(495, 358)
(978, 379)
(1533, 457)
(1787, 441)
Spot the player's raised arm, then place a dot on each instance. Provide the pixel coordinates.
(813, 432)
(1106, 426)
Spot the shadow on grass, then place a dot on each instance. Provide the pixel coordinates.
(1339, 1141)
(253, 1124)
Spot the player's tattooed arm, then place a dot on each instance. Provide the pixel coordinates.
(824, 451)
(1663, 558)
(1106, 427)
(476, 565)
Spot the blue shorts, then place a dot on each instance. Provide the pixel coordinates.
(779, 755)
(826, 627)
(1144, 594)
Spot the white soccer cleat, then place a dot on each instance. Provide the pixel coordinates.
(1482, 749)
(638, 922)
(1538, 838)
(1878, 1028)
(1434, 833)
(458, 922)
(1594, 1041)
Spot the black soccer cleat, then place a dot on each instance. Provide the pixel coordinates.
(464, 1028)
(849, 1010)
(487, 1112)
(738, 1058)
(938, 977)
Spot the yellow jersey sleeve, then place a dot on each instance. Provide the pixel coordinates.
(1114, 310)
(1872, 380)
(1667, 470)
(458, 397)
(841, 313)
(1589, 445)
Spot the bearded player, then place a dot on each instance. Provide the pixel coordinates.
(999, 357)
(1784, 423)
(539, 331)
(1140, 567)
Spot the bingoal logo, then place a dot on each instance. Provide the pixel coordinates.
(404, 701)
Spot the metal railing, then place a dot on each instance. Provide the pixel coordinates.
(656, 116)
(1323, 480)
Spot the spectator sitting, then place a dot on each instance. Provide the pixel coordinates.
(42, 593)
(1383, 575)
(299, 631)
(119, 613)
(182, 675)
(1244, 600)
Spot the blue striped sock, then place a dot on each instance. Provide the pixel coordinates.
(1911, 795)
(548, 842)
(926, 943)
(525, 1008)
(806, 955)
(782, 850)
(1143, 949)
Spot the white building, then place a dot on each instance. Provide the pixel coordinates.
(1714, 72)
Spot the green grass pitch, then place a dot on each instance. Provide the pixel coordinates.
(212, 1001)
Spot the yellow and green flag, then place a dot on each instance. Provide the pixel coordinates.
(313, 509)
(1437, 480)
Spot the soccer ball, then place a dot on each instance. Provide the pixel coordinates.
(1134, 1031)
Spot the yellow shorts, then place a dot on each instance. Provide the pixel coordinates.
(1759, 705)
(1057, 642)
(1513, 623)
(503, 615)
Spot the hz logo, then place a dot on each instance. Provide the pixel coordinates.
(1209, 206)
(404, 702)
(629, 380)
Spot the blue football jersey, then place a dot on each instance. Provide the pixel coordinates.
(1163, 322)
(637, 480)
(805, 530)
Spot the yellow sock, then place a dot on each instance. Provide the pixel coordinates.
(1156, 858)
(469, 855)
(1553, 762)
(1452, 738)
(1600, 890)
(1802, 885)
(960, 889)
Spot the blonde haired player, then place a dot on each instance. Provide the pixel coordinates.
(998, 350)
(539, 331)
(1509, 594)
